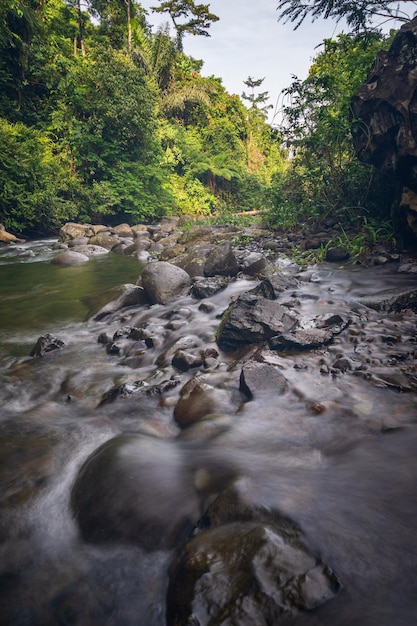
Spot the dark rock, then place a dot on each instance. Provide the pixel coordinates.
(386, 106)
(254, 264)
(46, 343)
(301, 339)
(246, 573)
(199, 399)
(252, 319)
(221, 261)
(183, 343)
(259, 378)
(337, 254)
(164, 282)
(392, 300)
(120, 297)
(135, 489)
(184, 361)
(133, 390)
(206, 287)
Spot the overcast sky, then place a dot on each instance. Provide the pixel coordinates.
(248, 40)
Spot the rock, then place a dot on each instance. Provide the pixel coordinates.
(104, 239)
(78, 241)
(386, 106)
(139, 245)
(46, 343)
(6, 237)
(71, 230)
(206, 287)
(254, 263)
(184, 361)
(136, 389)
(246, 573)
(194, 260)
(392, 300)
(138, 490)
(301, 339)
(120, 297)
(252, 318)
(258, 378)
(187, 342)
(123, 230)
(337, 254)
(164, 282)
(69, 257)
(221, 261)
(199, 399)
(90, 250)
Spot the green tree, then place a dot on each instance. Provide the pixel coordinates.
(35, 190)
(359, 15)
(324, 175)
(105, 122)
(187, 17)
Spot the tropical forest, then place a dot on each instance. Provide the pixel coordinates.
(106, 120)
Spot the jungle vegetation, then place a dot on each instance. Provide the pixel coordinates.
(103, 119)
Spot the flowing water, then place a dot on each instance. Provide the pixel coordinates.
(335, 453)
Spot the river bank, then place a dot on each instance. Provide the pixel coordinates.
(272, 409)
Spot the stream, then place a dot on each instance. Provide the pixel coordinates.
(335, 451)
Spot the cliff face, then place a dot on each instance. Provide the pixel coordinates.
(384, 120)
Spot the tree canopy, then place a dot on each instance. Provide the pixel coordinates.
(360, 16)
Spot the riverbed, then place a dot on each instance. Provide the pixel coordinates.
(335, 452)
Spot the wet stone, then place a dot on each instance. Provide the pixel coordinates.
(248, 572)
(47, 343)
(261, 378)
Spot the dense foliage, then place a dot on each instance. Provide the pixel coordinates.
(324, 176)
(102, 119)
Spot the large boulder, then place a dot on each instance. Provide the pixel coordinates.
(164, 282)
(135, 489)
(384, 112)
(69, 257)
(254, 317)
(249, 567)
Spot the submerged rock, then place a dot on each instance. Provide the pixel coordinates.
(135, 489)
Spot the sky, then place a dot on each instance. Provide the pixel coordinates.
(248, 41)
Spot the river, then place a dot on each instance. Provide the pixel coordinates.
(336, 453)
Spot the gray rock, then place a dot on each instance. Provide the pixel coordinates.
(164, 282)
(46, 343)
(392, 300)
(252, 319)
(206, 287)
(69, 257)
(221, 261)
(259, 378)
(246, 573)
(116, 299)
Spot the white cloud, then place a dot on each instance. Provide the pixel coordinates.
(248, 40)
